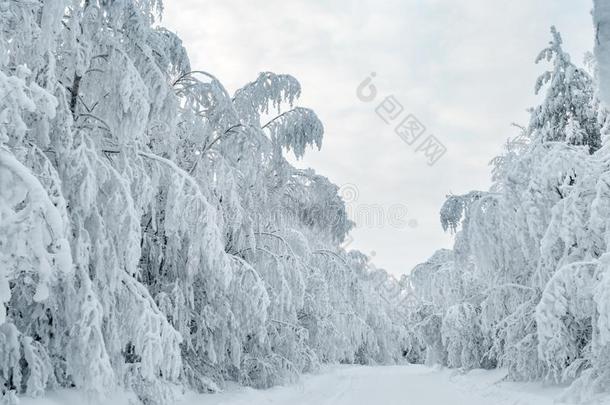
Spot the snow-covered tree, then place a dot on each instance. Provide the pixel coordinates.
(532, 251)
(152, 233)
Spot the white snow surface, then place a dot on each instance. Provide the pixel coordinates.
(380, 385)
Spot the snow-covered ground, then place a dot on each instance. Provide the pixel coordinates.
(355, 385)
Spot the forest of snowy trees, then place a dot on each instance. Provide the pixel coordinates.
(154, 238)
(527, 284)
(152, 234)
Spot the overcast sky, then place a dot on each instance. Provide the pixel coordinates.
(465, 69)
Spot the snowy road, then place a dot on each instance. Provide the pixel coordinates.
(357, 385)
(397, 385)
